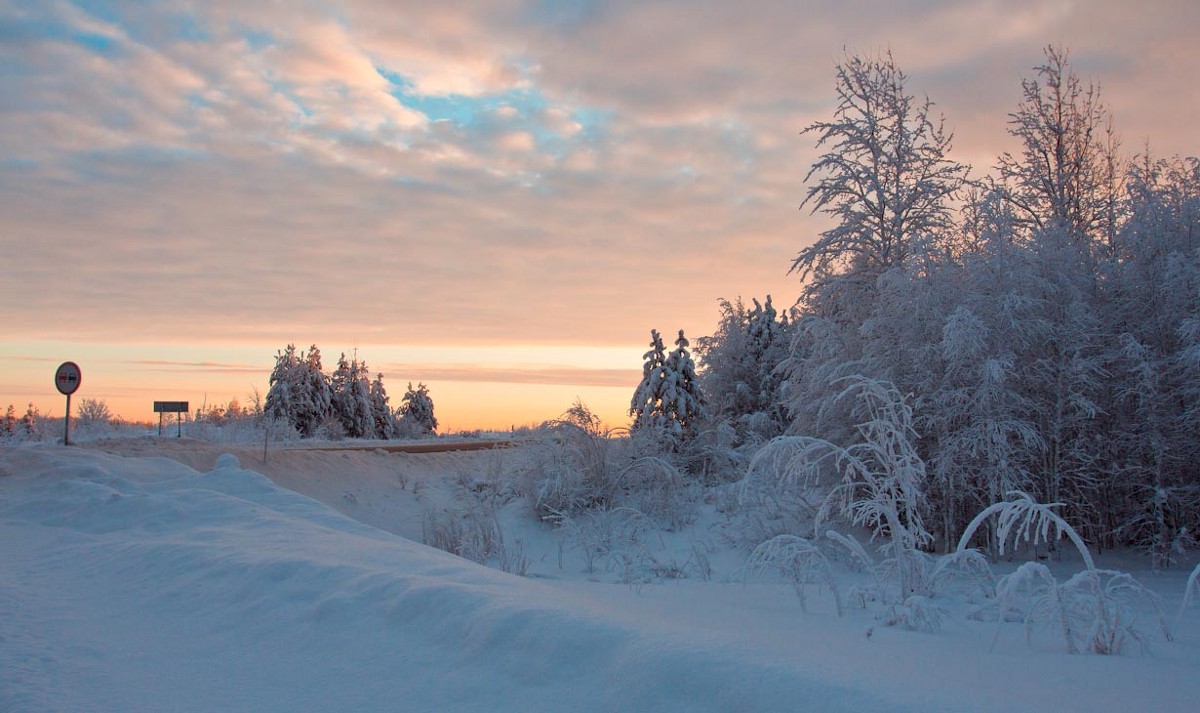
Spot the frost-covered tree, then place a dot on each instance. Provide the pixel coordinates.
(740, 370)
(279, 404)
(1150, 495)
(8, 424)
(313, 397)
(668, 401)
(416, 413)
(1068, 173)
(381, 413)
(885, 179)
(32, 424)
(351, 398)
(93, 412)
(888, 183)
(299, 390)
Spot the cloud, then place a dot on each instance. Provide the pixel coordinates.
(561, 375)
(437, 174)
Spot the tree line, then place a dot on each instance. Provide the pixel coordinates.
(346, 403)
(1042, 323)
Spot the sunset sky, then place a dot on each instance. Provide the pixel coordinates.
(500, 199)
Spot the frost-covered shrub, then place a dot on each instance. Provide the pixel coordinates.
(1095, 610)
(965, 570)
(475, 535)
(653, 486)
(917, 613)
(603, 534)
(574, 464)
(1024, 519)
(565, 469)
(712, 458)
(877, 483)
(1192, 592)
(799, 561)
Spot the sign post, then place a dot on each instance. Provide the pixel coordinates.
(176, 407)
(67, 379)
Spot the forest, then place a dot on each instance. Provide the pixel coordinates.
(1033, 331)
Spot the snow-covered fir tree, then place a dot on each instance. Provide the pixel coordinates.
(279, 402)
(415, 414)
(311, 397)
(381, 413)
(740, 369)
(8, 424)
(668, 399)
(351, 398)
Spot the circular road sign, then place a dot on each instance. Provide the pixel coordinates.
(67, 377)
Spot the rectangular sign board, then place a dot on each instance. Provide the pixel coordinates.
(170, 407)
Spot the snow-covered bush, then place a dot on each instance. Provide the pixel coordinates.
(1192, 592)
(877, 482)
(575, 464)
(801, 562)
(475, 535)
(917, 613)
(1024, 519)
(612, 535)
(1095, 610)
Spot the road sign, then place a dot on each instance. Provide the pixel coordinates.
(176, 407)
(67, 378)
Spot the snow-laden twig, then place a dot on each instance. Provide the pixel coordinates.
(1192, 593)
(1028, 520)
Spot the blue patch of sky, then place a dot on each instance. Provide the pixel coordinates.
(98, 44)
(257, 39)
(463, 110)
(479, 113)
(144, 21)
(47, 28)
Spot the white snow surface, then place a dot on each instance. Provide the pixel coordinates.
(137, 583)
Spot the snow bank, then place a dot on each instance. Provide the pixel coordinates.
(143, 585)
(140, 584)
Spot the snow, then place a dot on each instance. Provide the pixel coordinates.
(181, 576)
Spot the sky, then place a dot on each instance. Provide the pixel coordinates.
(499, 199)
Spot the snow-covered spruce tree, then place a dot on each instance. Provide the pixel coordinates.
(415, 414)
(32, 426)
(351, 398)
(740, 370)
(279, 405)
(667, 401)
(887, 182)
(386, 425)
(312, 396)
(8, 424)
(299, 391)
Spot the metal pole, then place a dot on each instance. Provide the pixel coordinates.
(178, 424)
(67, 424)
(160, 417)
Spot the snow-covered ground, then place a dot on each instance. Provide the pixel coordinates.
(164, 575)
